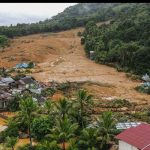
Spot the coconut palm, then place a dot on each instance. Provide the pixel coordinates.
(63, 131)
(46, 145)
(106, 125)
(72, 144)
(27, 112)
(89, 138)
(63, 107)
(11, 142)
(82, 103)
(49, 106)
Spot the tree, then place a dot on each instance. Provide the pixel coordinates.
(27, 110)
(106, 128)
(63, 107)
(12, 129)
(63, 131)
(72, 144)
(11, 142)
(49, 107)
(46, 145)
(14, 104)
(40, 126)
(3, 41)
(89, 138)
(141, 66)
(82, 103)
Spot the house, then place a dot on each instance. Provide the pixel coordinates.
(135, 138)
(146, 78)
(92, 55)
(22, 65)
(5, 98)
(126, 125)
(26, 82)
(6, 82)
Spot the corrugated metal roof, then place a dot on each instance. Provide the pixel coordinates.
(126, 125)
(137, 136)
(7, 80)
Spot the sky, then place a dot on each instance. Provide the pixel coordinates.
(13, 13)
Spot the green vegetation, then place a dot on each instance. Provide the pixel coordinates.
(11, 142)
(61, 125)
(124, 42)
(27, 109)
(3, 41)
(143, 89)
(74, 16)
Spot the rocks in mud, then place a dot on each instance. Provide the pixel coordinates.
(58, 61)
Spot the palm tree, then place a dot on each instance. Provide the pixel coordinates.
(46, 145)
(72, 144)
(63, 131)
(63, 107)
(83, 101)
(11, 142)
(27, 110)
(106, 128)
(49, 106)
(89, 138)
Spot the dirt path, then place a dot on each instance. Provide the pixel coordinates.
(61, 57)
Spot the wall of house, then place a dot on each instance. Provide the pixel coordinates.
(125, 146)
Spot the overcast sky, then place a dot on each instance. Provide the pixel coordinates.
(13, 13)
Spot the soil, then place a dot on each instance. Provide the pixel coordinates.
(61, 57)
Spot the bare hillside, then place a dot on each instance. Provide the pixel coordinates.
(60, 57)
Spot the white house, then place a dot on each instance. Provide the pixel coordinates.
(135, 138)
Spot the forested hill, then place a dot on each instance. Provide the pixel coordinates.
(71, 17)
(125, 42)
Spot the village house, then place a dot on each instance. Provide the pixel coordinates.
(26, 82)
(9, 88)
(6, 83)
(135, 138)
(5, 98)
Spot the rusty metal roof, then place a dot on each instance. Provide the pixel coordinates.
(137, 136)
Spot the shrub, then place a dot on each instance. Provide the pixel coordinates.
(3, 41)
(143, 89)
(31, 65)
(48, 92)
(41, 126)
(82, 40)
(118, 103)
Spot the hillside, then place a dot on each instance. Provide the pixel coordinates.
(61, 57)
(72, 17)
(66, 101)
(124, 42)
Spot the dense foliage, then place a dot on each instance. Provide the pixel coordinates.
(3, 41)
(124, 42)
(61, 125)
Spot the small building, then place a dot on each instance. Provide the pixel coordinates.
(22, 65)
(5, 98)
(135, 138)
(92, 55)
(146, 78)
(26, 82)
(6, 82)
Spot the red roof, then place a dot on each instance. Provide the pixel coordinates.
(138, 136)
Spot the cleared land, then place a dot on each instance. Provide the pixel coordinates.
(61, 57)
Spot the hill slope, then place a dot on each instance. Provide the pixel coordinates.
(61, 57)
(74, 16)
